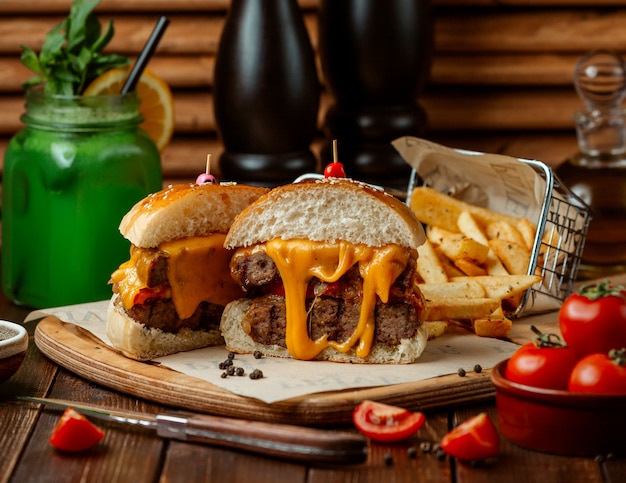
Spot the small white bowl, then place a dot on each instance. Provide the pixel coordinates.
(13, 345)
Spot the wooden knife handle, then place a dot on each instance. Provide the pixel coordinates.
(294, 443)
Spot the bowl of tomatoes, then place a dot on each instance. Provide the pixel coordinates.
(559, 421)
(566, 393)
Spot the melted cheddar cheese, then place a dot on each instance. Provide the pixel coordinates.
(300, 260)
(197, 271)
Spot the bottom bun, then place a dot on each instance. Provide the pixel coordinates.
(237, 340)
(137, 341)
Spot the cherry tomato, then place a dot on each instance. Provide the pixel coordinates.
(474, 439)
(334, 170)
(544, 363)
(74, 432)
(594, 319)
(600, 373)
(386, 423)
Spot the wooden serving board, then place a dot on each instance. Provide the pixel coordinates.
(78, 351)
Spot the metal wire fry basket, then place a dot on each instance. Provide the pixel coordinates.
(559, 241)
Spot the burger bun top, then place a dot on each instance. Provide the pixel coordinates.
(327, 210)
(185, 210)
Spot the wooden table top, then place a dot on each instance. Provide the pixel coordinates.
(138, 456)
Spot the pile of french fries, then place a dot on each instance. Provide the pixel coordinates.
(473, 266)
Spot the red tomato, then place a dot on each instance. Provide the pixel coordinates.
(74, 432)
(600, 373)
(594, 319)
(545, 367)
(334, 170)
(385, 423)
(474, 439)
(146, 294)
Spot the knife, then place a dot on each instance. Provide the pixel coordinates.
(290, 442)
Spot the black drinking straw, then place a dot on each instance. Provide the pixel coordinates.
(145, 55)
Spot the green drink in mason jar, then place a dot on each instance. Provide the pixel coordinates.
(69, 177)
(80, 163)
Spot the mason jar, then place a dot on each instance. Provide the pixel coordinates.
(70, 175)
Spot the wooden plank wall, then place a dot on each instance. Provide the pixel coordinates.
(501, 79)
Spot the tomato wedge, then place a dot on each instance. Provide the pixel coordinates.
(386, 423)
(74, 432)
(473, 440)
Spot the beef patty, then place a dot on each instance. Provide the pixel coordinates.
(333, 309)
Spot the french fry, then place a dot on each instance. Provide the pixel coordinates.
(436, 328)
(494, 326)
(528, 232)
(465, 287)
(459, 309)
(449, 267)
(469, 227)
(437, 209)
(514, 257)
(470, 267)
(503, 286)
(502, 230)
(456, 245)
(429, 266)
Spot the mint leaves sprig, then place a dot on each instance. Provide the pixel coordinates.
(71, 55)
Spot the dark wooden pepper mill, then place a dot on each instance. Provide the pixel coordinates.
(266, 93)
(375, 57)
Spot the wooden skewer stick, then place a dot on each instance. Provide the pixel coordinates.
(335, 156)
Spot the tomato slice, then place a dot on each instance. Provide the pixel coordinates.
(146, 294)
(473, 440)
(74, 432)
(386, 423)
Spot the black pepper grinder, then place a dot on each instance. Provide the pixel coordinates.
(266, 93)
(376, 58)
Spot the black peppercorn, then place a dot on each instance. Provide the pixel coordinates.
(478, 368)
(388, 459)
(231, 355)
(239, 371)
(461, 372)
(256, 374)
(411, 452)
(257, 354)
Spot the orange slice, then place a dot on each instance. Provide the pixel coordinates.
(157, 103)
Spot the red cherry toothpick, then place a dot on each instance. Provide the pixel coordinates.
(206, 177)
(334, 169)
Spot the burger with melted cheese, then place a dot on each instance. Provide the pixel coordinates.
(169, 296)
(328, 267)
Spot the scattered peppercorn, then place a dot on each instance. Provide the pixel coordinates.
(388, 459)
(239, 371)
(425, 446)
(224, 375)
(461, 372)
(256, 374)
(478, 368)
(231, 355)
(411, 452)
(257, 354)
(230, 371)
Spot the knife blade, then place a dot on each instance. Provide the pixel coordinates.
(284, 441)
